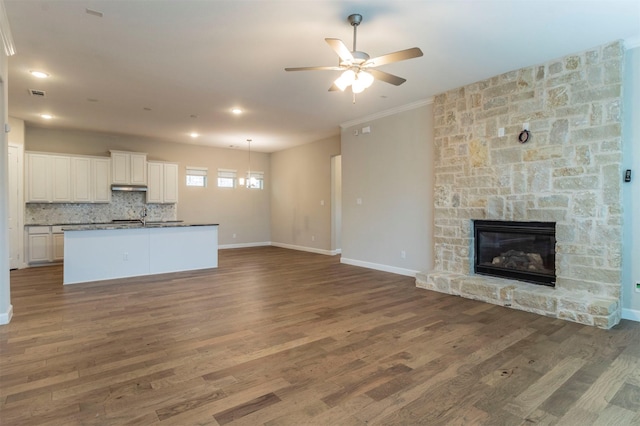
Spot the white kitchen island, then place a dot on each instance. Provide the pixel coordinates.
(103, 252)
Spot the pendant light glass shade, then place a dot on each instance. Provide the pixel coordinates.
(345, 80)
(365, 78)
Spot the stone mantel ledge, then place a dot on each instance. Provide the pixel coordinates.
(543, 300)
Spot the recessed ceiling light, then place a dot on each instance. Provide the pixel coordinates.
(39, 74)
(236, 111)
(46, 116)
(194, 135)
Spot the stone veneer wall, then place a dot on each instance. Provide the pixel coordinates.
(568, 173)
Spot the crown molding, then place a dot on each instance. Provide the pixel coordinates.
(386, 113)
(5, 32)
(632, 42)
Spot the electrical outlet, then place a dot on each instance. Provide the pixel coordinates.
(403, 254)
(313, 238)
(125, 256)
(233, 236)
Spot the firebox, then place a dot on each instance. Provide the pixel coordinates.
(520, 250)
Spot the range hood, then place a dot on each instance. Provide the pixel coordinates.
(129, 188)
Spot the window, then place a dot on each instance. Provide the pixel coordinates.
(226, 178)
(196, 176)
(255, 180)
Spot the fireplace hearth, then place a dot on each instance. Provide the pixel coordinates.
(523, 251)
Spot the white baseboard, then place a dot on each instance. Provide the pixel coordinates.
(244, 245)
(5, 317)
(309, 249)
(380, 267)
(631, 314)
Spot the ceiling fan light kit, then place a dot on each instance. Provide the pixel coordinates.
(357, 67)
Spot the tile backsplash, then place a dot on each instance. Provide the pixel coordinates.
(124, 205)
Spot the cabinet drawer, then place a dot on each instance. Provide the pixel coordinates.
(38, 230)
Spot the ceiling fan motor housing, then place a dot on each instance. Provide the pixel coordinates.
(358, 59)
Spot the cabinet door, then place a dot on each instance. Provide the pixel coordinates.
(101, 180)
(61, 179)
(120, 168)
(138, 169)
(81, 174)
(155, 182)
(58, 247)
(38, 182)
(170, 183)
(39, 248)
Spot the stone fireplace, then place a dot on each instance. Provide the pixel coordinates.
(568, 173)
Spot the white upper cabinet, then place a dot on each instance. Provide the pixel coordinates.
(48, 178)
(170, 183)
(61, 179)
(128, 168)
(81, 172)
(52, 178)
(101, 173)
(37, 178)
(163, 182)
(155, 180)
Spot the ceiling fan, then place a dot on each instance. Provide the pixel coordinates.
(358, 67)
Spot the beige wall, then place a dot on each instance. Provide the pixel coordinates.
(16, 136)
(391, 171)
(239, 211)
(301, 195)
(631, 190)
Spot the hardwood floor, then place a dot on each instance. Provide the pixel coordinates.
(281, 337)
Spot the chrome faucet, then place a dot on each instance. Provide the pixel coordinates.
(143, 216)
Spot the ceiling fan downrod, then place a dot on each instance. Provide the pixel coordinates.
(355, 20)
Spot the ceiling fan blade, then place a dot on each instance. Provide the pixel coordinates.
(400, 55)
(386, 77)
(339, 47)
(334, 88)
(314, 69)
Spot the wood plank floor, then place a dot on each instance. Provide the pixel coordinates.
(280, 337)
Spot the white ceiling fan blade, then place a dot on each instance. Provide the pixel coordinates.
(340, 48)
(400, 55)
(334, 88)
(314, 69)
(386, 77)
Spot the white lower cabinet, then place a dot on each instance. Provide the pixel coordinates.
(57, 244)
(39, 244)
(45, 244)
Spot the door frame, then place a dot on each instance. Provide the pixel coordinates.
(17, 247)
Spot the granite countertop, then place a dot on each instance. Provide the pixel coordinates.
(121, 225)
(131, 225)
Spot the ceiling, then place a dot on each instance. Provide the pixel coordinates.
(163, 69)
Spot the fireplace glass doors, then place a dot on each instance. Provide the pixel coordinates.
(520, 250)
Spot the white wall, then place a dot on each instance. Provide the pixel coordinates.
(631, 190)
(390, 170)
